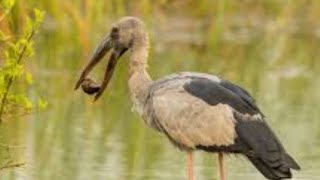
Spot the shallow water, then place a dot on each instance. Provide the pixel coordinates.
(78, 139)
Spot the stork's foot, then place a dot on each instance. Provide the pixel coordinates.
(221, 166)
(190, 166)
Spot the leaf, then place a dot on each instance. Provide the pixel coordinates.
(29, 49)
(28, 104)
(29, 78)
(29, 27)
(14, 47)
(3, 37)
(42, 104)
(39, 16)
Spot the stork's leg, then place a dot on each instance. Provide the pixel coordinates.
(221, 167)
(190, 166)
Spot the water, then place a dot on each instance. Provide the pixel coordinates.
(78, 139)
(75, 138)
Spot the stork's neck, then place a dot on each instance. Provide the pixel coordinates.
(139, 79)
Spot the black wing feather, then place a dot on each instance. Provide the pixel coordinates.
(225, 93)
(241, 92)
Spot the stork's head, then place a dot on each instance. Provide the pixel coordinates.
(128, 32)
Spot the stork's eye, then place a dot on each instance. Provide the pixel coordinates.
(115, 33)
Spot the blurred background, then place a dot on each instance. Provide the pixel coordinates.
(271, 47)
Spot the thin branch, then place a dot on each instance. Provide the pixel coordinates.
(12, 165)
(11, 146)
(4, 99)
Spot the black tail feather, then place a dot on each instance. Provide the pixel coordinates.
(290, 162)
(263, 148)
(274, 173)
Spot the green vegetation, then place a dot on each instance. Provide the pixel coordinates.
(13, 69)
(16, 48)
(271, 47)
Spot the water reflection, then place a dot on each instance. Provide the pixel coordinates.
(78, 139)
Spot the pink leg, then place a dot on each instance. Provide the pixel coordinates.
(221, 167)
(190, 166)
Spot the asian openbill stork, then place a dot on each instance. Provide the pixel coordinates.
(195, 111)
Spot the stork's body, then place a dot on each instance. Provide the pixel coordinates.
(196, 111)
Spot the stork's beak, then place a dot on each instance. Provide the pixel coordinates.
(101, 50)
(115, 55)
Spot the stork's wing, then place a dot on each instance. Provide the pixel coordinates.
(216, 115)
(241, 92)
(222, 92)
